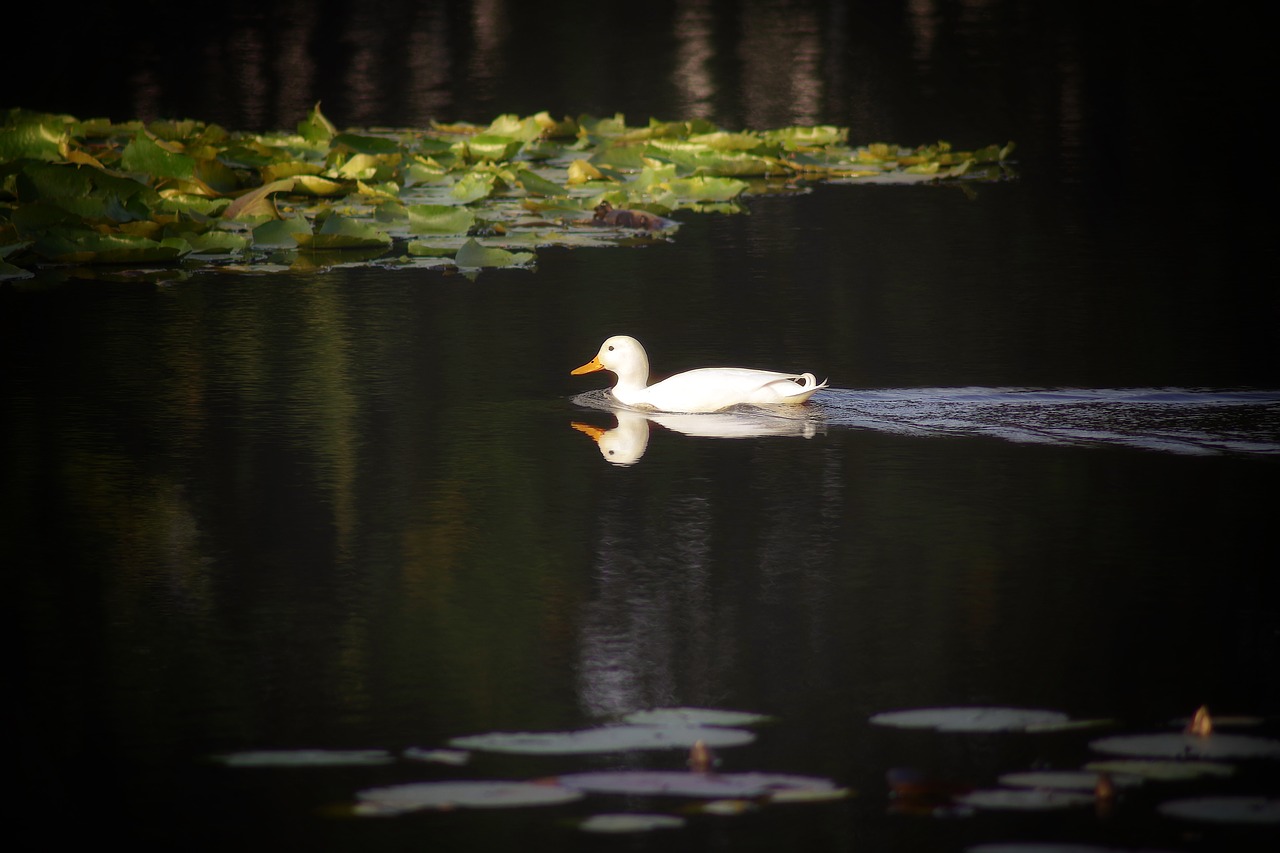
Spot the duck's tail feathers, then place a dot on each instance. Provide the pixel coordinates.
(806, 384)
(809, 381)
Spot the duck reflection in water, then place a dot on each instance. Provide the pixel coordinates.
(627, 442)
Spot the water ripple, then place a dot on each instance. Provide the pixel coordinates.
(1175, 420)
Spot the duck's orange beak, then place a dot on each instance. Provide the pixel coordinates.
(590, 367)
(594, 431)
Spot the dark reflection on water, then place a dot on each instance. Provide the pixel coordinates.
(348, 510)
(1167, 419)
(323, 513)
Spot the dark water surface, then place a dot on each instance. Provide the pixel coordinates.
(350, 510)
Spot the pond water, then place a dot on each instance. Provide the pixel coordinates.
(364, 509)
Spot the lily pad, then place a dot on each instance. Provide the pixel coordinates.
(677, 783)
(257, 202)
(342, 232)
(626, 822)
(1163, 770)
(472, 255)
(1225, 809)
(725, 808)
(278, 233)
(439, 219)
(1066, 780)
(605, 739)
(418, 796)
(1216, 746)
(1047, 847)
(978, 719)
(1024, 799)
(455, 757)
(695, 717)
(100, 176)
(307, 758)
(146, 155)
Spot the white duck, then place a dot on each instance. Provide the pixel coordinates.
(707, 389)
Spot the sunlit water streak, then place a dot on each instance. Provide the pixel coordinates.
(1172, 420)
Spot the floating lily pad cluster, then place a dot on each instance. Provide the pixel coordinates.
(692, 730)
(192, 195)
(1161, 757)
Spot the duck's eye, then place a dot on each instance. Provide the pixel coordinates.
(610, 349)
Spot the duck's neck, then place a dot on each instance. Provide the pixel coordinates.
(632, 381)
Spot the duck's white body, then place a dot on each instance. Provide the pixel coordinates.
(708, 389)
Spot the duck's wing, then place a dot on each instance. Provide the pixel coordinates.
(711, 389)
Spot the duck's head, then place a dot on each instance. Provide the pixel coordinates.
(621, 354)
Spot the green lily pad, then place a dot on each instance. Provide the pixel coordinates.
(8, 272)
(419, 796)
(1216, 746)
(473, 186)
(362, 144)
(1050, 847)
(1066, 780)
(695, 717)
(145, 155)
(977, 719)
(1224, 809)
(534, 183)
(279, 233)
(69, 175)
(315, 127)
(490, 146)
(439, 219)
(217, 243)
(342, 232)
(604, 740)
(472, 255)
(455, 757)
(677, 783)
(1163, 770)
(307, 758)
(69, 245)
(630, 822)
(33, 137)
(1024, 799)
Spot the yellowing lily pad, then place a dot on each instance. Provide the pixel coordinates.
(107, 177)
(256, 202)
